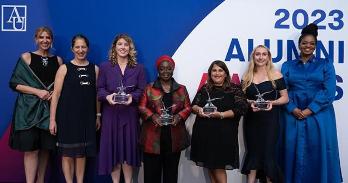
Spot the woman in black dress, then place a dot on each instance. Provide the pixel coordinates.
(73, 111)
(261, 126)
(33, 79)
(214, 143)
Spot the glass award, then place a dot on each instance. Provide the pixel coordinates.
(121, 97)
(261, 103)
(165, 117)
(209, 107)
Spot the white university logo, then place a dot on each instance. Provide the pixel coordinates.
(13, 17)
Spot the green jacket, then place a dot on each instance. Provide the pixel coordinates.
(29, 110)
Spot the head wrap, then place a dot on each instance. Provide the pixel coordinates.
(164, 58)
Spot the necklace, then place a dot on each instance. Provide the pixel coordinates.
(44, 61)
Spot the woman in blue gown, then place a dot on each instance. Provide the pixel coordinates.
(310, 148)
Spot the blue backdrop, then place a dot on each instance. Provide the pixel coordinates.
(157, 27)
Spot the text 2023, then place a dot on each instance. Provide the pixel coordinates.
(334, 19)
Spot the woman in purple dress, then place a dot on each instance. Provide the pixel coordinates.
(120, 121)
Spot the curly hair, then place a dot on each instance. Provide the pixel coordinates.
(132, 61)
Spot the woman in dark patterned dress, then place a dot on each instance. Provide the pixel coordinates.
(73, 111)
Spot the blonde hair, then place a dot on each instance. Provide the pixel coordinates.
(41, 30)
(132, 61)
(249, 74)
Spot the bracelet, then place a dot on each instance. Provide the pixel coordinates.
(98, 114)
(221, 115)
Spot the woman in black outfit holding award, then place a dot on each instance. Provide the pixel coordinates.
(214, 143)
(265, 89)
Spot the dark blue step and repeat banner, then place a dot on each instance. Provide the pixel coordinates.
(194, 32)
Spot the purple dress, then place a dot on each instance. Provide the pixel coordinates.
(120, 123)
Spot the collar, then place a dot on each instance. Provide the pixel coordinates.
(174, 85)
(310, 60)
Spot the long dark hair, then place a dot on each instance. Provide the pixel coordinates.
(227, 82)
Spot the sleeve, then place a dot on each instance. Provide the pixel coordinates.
(141, 84)
(240, 106)
(200, 99)
(326, 95)
(280, 84)
(186, 111)
(145, 112)
(290, 106)
(101, 85)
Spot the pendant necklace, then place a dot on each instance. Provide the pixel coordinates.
(44, 61)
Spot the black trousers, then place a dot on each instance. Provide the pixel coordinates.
(155, 164)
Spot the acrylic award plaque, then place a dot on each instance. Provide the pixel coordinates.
(261, 103)
(209, 107)
(165, 117)
(121, 97)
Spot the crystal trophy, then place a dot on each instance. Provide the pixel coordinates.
(165, 117)
(209, 106)
(261, 103)
(121, 97)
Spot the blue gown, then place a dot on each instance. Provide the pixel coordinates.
(309, 149)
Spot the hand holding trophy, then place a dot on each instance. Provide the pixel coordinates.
(165, 117)
(260, 103)
(121, 97)
(209, 107)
